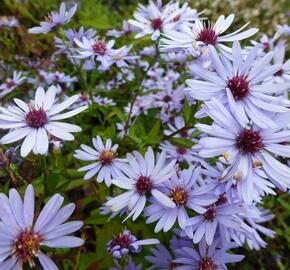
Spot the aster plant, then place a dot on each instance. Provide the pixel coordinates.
(178, 152)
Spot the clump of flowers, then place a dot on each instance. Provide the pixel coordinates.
(189, 129)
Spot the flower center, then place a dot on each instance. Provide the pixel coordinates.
(100, 47)
(27, 246)
(183, 134)
(249, 141)
(167, 98)
(239, 86)
(143, 185)
(207, 264)
(207, 36)
(123, 240)
(210, 215)
(107, 157)
(181, 150)
(279, 72)
(36, 118)
(179, 196)
(156, 23)
(10, 84)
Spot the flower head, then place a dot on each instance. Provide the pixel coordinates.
(38, 120)
(54, 19)
(107, 165)
(24, 238)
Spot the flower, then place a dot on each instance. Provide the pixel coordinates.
(104, 101)
(54, 19)
(285, 29)
(239, 84)
(22, 239)
(142, 177)
(130, 266)
(37, 120)
(152, 20)
(183, 190)
(11, 83)
(107, 165)
(201, 35)
(120, 56)
(9, 157)
(213, 257)
(125, 243)
(217, 217)
(246, 149)
(126, 30)
(95, 49)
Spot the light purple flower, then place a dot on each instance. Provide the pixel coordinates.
(106, 165)
(22, 239)
(182, 188)
(142, 177)
(11, 83)
(214, 257)
(126, 243)
(54, 19)
(246, 149)
(239, 84)
(37, 120)
(195, 39)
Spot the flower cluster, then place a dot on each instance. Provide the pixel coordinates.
(189, 134)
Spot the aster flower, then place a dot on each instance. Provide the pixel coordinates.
(217, 217)
(8, 22)
(214, 257)
(142, 177)
(37, 121)
(22, 239)
(106, 165)
(183, 190)
(126, 243)
(54, 19)
(104, 101)
(11, 83)
(95, 49)
(203, 34)
(246, 148)
(120, 57)
(239, 84)
(9, 157)
(169, 98)
(152, 20)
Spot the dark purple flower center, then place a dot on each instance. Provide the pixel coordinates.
(207, 264)
(249, 141)
(279, 72)
(27, 246)
(143, 185)
(36, 118)
(208, 36)
(156, 23)
(167, 98)
(239, 86)
(179, 196)
(266, 46)
(183, 134)
(100, 47)
(123, 240)
(10, 84)
(107, 157)
(210, 213)
(181, 150)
